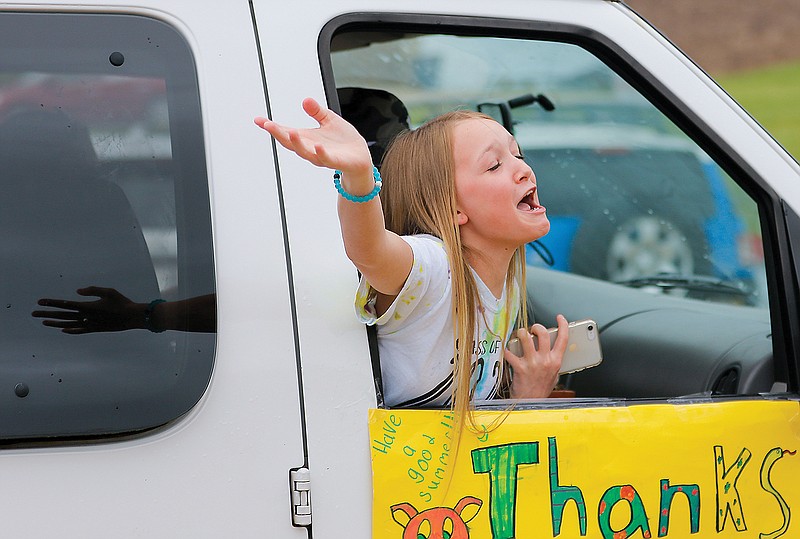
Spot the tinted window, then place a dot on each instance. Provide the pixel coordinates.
(103, 185)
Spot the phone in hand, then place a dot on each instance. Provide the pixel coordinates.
(583, 348)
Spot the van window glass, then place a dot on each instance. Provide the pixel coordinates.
(103, 185)
(635, 204)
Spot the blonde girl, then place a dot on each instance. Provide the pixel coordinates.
(441, 254)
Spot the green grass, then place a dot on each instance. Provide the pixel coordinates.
(771, 96)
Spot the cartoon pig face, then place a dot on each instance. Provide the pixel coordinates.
(437, 522)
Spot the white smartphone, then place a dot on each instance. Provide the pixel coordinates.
(583, 348)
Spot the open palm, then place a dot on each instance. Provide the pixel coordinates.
(334, 144)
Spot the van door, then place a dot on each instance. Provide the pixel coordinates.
(668, 209)
(337, 381)
(148, 368)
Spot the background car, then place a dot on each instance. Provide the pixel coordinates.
(628, 204)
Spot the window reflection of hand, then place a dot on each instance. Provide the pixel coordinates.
(112, 311)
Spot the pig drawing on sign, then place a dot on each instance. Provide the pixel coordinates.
(439, 522)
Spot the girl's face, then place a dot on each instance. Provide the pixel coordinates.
(498, 204)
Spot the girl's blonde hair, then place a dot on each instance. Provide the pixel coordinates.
(419, 197)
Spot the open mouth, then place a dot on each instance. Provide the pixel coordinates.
(528, 203)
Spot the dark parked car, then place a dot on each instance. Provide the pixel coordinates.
(612, 196)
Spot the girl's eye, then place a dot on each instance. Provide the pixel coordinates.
(495, 166)
(520, 156)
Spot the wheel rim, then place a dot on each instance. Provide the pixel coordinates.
(648, 245)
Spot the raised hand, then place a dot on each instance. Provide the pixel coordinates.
(335, 144)
(382, 257)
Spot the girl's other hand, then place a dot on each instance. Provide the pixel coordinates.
(536, 372)
(335, 144)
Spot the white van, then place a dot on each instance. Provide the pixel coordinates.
(130, 163)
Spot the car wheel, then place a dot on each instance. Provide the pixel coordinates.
(648, 245)
(642, 246)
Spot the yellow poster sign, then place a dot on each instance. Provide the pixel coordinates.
(722, 470)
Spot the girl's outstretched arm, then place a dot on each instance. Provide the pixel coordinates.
(381, 256)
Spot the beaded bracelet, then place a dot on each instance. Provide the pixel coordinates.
(352, 198)
(148, 313)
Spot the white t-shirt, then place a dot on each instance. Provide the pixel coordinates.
(415, 334)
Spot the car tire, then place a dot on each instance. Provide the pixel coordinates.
(643, 245)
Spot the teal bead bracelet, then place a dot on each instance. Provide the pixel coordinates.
(337, 182)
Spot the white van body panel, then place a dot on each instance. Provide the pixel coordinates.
(335, 411)
(222, 470)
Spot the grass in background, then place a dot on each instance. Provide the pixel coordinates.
(771, 96)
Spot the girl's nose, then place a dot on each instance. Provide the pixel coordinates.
(525, 172)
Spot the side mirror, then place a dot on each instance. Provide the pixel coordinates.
(499, 112)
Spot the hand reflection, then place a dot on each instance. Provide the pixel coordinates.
(113, 311)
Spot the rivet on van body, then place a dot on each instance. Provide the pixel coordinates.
(116, 59)
(21, 390)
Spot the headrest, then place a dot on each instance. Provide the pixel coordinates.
(377, 114)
